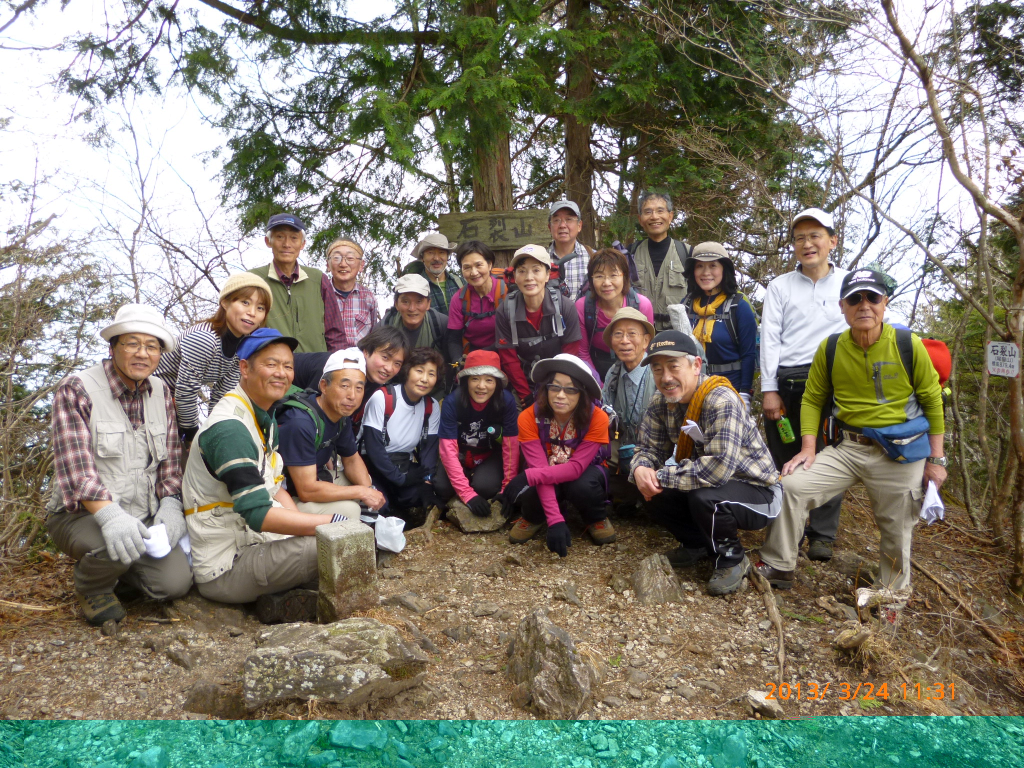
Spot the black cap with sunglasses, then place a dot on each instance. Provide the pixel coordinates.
(864, 280)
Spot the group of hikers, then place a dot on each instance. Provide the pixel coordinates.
(601, 381)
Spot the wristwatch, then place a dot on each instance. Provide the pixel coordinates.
(940, 460)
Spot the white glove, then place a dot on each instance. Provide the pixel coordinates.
(171, 514)
(745, 397)
(122, 533)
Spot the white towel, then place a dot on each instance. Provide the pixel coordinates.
(933, 509)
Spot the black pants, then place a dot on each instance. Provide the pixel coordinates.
(713, 517)
(588, 493)
(823, 522)
(401, 500)
(485, 478)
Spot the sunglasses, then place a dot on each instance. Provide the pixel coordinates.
(556, 388)
(855, 298)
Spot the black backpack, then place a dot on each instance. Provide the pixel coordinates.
(590, 310)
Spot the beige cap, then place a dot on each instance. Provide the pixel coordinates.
(538, 252)
(626, 313)
(241, 280)
(709, 251)
(433, 240)
(412, 284)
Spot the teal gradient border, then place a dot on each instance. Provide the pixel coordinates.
(971, 742)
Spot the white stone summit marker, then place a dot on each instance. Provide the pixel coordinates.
(347, 565)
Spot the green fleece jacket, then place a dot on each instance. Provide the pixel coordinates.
(297, 311)
(871, 387)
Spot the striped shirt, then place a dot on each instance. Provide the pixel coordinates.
(347, 317)
(199, 360)
(75, 473)
(733, 449)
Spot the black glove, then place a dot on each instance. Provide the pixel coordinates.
(416, 475)
(479, 506)
(428, 498)
(559, 538)
(528, 401)
(515, 486)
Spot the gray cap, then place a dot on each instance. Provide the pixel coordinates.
(560, 204)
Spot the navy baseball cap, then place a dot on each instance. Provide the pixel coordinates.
(864, 280)
(286, 220)
(260, 338)
(672, 344)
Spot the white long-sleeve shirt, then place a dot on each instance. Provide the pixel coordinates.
(798, 314)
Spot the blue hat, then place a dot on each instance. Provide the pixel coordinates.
(260, 338)
(286, 220)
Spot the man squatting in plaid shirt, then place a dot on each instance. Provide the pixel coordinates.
(118, 470)
(722, 478)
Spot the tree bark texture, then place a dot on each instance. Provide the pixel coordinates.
(579, 158)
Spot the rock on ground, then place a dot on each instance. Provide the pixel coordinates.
(349, 662)
(219, 700)
(758, 701)
(655, 583)
(548, 671)
(467, 522)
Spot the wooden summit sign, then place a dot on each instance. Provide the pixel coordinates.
(498, 230)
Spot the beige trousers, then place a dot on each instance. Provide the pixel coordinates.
(78, 535)
(348, 508)
(894, 490)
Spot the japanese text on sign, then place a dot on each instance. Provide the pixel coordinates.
(1003, 359)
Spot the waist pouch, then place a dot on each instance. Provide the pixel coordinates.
(904, 443)
(793, 380)
(401, 460)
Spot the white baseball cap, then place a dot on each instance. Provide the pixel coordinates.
(346, 358)
(412, 284)
(815, 214)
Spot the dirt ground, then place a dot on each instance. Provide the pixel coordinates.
(679, 661)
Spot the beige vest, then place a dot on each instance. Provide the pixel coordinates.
(216, 531)
(667, 286)
(126, 458)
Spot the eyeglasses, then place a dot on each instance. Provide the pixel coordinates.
(631, 335)
(855, 298)
(654, 211)
(346, 259)
(133, 347)
(814, 237)
(554, 389)
(564, 220)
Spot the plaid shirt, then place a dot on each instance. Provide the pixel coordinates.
(732, 450)
(575, 271)
(347, 319)
(74, 468)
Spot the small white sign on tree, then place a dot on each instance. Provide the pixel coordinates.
(1003, 359)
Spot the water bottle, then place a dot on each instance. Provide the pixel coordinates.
(785, 428)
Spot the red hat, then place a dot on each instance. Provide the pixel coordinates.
(483, 362)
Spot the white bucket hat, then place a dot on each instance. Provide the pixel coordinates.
(139, 318)
(572, 367)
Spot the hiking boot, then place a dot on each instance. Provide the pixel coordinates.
(287, 607)
(725, 581)
(101, 608)
(523, 530)
(820, 550)
(775, 577)
(602, 532)
(684, 557)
